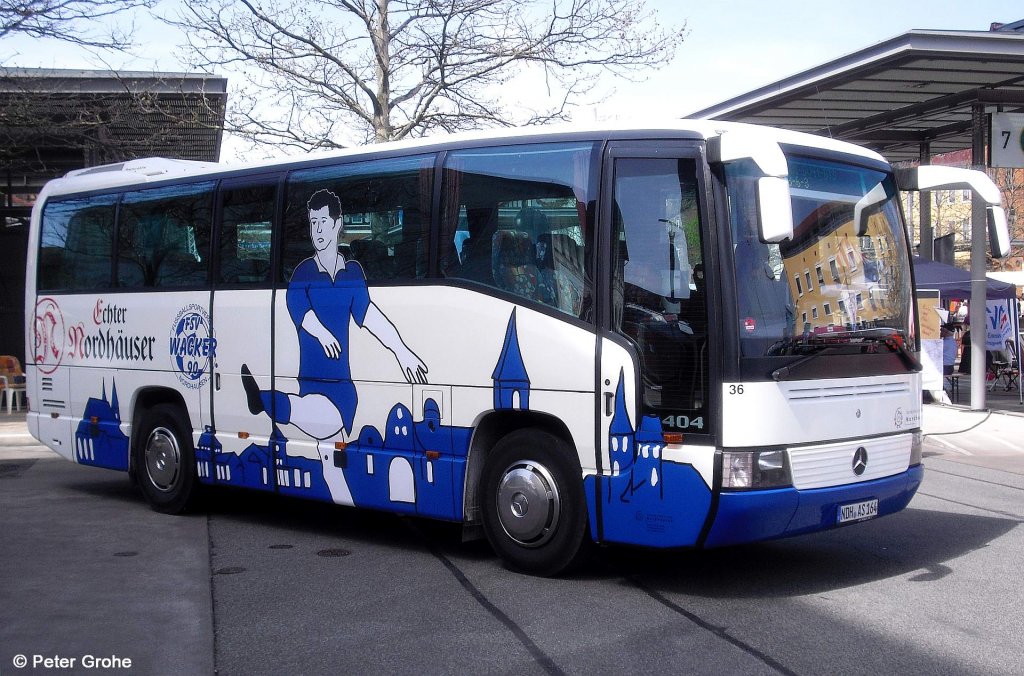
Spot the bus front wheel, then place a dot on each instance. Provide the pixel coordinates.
(164, 459)
(534, 509)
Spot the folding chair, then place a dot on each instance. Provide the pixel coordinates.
(12, 383)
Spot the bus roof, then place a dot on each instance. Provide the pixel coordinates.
(141, 171)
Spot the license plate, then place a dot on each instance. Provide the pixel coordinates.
(857, 511)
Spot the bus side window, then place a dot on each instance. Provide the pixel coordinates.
(245, 235)
(164, 236)
(76, 243)
(515, 219)
(385, 211)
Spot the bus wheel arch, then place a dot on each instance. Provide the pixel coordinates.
(162, 452)
(488, 430)
(531, 501)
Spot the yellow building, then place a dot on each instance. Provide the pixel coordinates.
(838, 281)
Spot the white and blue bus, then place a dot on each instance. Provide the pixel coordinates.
(694, 335)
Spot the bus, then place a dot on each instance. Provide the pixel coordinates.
(693, 335)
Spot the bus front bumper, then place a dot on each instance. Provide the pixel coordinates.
(749, 516)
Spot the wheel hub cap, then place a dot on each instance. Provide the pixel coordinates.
(528, 503)
(163, 459)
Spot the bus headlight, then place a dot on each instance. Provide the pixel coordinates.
(916, 448)
(755, 469)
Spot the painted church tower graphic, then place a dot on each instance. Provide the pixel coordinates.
(99, 440)
(511, 382)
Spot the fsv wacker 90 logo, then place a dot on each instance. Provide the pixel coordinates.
(192, 345)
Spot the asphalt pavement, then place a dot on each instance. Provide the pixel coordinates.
(93, 581)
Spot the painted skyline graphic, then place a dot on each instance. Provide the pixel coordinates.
(99, 440)
(418, 466)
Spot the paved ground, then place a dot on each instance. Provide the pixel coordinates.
(261, 585)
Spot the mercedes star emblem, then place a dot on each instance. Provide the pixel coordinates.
(860, 460)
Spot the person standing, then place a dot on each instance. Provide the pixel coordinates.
(949, 348)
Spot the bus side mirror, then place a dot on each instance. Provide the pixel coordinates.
(774, 208)
(998, 231)
(866, 206)
(931, 177)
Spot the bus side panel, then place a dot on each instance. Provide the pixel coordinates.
(234, 451)
(111, 346)
(407, 444)
(47, 375)
(49, 417)
(649, 492)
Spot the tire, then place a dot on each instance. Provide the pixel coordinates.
(164, 460)
(534, 509)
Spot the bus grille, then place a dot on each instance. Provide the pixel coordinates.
(803, 393)
(832, 464)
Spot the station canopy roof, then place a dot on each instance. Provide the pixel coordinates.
(55, 120)
(916, 88)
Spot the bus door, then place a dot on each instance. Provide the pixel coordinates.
(654, 353)
(239, 448)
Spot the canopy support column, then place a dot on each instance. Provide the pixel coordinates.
(925, 210)
(979, 230)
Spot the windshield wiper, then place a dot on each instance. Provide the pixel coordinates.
(814, 346)
(805, 344)
(893, 339)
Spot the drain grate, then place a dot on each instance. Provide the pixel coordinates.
(333, 553)
(229, 570)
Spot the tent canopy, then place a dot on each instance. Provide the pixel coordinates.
(953, 282)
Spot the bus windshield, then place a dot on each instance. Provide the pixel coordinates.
(838, 287)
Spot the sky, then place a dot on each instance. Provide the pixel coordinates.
(732, 46)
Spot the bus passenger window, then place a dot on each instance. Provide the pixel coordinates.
(245, 235)
(385, 212)
(76, 243)
(164, 236)
(515, 219)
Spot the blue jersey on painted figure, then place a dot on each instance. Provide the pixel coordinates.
(333, 300)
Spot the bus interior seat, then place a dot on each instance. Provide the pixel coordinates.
(372, 255)
(532, 221)
(560, 262)
(513, 263)
(477, 250)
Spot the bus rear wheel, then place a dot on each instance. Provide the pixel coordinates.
(164, 459)
(534, 509)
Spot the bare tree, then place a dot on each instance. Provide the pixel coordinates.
(316, 71)
(80, 22)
